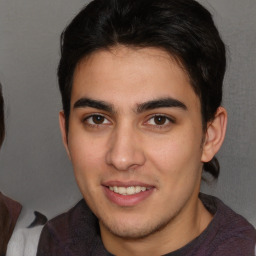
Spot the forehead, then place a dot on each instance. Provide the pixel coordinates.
(131, 75)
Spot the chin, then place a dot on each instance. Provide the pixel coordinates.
(134, 231)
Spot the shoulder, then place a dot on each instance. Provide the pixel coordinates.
(12, 206)
(63, 224)
(9, 212)
(75, 230)
(231, 233)
(234, 225)
(25, 237)
(24, 241)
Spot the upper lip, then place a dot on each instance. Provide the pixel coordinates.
(126, 184)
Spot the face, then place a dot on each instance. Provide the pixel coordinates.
(135, 140)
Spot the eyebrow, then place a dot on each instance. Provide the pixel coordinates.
(141, 107)
(160, 103)
(98, 104)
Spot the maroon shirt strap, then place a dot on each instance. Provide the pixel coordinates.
(9, 213)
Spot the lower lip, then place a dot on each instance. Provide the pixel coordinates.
(128, 200)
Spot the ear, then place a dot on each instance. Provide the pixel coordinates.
(62, 122)
(214, 137)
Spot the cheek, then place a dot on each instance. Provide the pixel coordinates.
(177, 154)
(87, 165)
(87, 157)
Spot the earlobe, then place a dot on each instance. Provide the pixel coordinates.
(62, 123)
(215, 135)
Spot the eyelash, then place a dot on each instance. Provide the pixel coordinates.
(153, 126)
(85, 120)
(161, 126)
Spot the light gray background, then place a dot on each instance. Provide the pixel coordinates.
(34, 167)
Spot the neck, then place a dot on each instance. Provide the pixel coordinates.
(186, 226)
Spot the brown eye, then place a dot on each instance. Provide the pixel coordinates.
(160, 120)
(97, 119)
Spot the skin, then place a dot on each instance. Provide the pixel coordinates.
(135, 120)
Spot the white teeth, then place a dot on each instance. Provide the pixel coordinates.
(122, 190)
(137, 189)
(128, 191)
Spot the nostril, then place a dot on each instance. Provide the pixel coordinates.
(128, 162)
(125, 152)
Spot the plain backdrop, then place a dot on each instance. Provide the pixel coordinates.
(34, 167)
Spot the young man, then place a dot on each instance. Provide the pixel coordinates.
(9, 209)
(13, 240)
(141, 85)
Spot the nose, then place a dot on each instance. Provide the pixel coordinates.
(125, 150)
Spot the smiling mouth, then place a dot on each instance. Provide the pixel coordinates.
(132, 190)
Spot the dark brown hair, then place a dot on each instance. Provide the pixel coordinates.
(183, 28)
